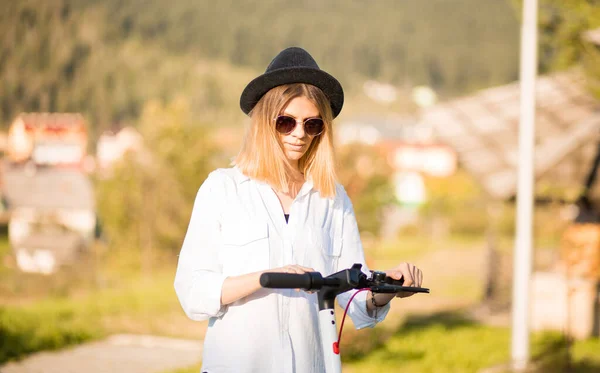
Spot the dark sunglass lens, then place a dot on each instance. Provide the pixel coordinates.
(285, 124)
(313, 126)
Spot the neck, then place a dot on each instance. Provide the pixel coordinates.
(295, 173)
(295, 179)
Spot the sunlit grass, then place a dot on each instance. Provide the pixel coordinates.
(142, 306)
(450, 343)
(439, 343)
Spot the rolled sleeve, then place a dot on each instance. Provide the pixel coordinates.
(352, 252)
(204, 296)
(199, 278)
(358, 310)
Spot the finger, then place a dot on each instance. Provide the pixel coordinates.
(394, 273)
(296, 270)
(288, 269)
(415, 276)
(408, 281)
(302, 269)
(408, 276)
(420, 278)
(299, 269)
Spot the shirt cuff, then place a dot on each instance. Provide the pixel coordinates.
(359, 314)
(205, 296)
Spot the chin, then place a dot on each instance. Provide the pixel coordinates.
(293, 156)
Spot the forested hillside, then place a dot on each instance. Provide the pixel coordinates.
(106, 57)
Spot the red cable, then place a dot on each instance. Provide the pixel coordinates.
(344, 317)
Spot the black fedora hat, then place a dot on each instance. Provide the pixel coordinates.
(293, 65)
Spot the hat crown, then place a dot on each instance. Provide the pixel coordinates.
(293, 65)
(292, 57)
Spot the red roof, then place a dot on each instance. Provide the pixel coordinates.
(53, 121)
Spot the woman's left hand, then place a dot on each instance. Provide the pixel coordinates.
(412, 275)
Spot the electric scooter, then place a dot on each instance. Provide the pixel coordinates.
(327, 289)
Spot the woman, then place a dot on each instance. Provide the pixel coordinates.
(278, 210)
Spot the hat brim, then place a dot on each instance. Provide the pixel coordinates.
(319, 78)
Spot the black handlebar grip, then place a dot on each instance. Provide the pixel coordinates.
(275, 280)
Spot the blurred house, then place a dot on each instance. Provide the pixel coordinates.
(380, 92)
(48, 197)
(52, 215)
(55, 139)
(372, 129)
(112, 147)
(483, 129)
(409, 146)
(592, 36)
(411, 151)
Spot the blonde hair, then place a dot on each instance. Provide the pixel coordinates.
(262, 156)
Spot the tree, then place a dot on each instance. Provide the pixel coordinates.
(563, 24)
(145, 204)
(366, 176)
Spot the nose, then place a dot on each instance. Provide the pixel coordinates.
(298, 131)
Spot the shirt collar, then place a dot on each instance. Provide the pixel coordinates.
(239, 176)
(306, 188)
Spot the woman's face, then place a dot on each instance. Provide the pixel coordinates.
(296, 143)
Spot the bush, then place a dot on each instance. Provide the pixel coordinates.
(49, 328)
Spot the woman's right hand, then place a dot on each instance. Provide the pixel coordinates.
(292, 268)
(237, 287)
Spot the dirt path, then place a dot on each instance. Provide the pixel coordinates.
(118, 353)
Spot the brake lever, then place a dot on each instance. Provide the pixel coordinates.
(380, 277)
(380, 282)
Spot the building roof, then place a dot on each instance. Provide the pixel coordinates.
(374, 128)
(483, 129)
(47, 188)
(52, 120)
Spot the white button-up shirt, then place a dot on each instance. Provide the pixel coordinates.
(237, 227)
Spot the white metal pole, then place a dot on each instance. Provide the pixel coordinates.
(525, 191)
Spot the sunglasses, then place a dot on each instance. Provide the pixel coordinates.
(286, 124)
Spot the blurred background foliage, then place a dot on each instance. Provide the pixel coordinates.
(145, 202)
(174, 71)
(365, 174)
(107, 58)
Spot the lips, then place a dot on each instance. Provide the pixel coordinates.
(295, 147)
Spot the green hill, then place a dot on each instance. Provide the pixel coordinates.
(107, 57)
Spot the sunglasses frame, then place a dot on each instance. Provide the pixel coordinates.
(296, 123)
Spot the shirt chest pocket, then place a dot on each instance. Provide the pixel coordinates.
(327, 249)
(245, 248)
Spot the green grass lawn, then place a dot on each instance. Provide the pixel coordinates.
(448, 342)
(437, 342)
(141, 306)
